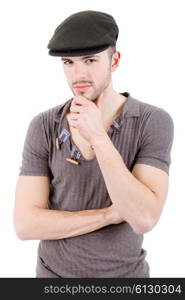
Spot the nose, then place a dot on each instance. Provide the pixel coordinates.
(80, 72)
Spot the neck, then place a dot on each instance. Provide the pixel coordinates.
(110, 103)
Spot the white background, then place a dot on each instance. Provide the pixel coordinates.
(152, 66)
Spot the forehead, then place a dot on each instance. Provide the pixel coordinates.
(75, 58)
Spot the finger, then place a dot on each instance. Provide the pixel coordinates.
(76, 108)
(80, 100)
(74, 116)
(73, 123)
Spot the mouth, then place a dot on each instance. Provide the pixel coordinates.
(82, 88)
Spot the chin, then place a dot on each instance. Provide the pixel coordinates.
(85, 95)
(88, 97)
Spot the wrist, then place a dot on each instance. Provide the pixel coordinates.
(112, 215)
(98, 139)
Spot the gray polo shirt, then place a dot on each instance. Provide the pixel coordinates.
(142, 133)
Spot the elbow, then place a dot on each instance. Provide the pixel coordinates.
(21, 233)
(21, 230)
(145, 225)
(141, 229)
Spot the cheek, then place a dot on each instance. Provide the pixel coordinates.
(100, 74)
(67, 73)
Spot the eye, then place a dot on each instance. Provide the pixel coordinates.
(90, 60)
(67, 62)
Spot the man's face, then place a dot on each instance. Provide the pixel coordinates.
(88, 75)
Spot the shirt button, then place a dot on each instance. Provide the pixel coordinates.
(58, 180)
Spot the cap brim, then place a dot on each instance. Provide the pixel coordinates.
(80, 52)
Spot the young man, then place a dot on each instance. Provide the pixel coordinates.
(94, 175)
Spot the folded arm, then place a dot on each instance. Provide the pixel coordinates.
(34, 221)
(138, 196)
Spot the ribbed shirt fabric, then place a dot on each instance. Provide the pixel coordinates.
(143, 133)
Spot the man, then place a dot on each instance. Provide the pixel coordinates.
(94, 175)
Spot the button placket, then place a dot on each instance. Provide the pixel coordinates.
(74, 153)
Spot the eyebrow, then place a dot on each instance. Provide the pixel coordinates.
(83, 58)
(89, 56)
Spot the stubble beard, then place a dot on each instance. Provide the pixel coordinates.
(96, 91)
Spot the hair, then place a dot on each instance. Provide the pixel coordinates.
(111, 51)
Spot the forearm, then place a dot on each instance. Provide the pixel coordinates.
(134, 200)
(45, 224)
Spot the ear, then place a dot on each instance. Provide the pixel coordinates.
(115, 60)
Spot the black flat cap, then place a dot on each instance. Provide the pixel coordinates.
(84, 33)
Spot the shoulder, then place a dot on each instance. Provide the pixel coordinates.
(156, 125)
(149, 113)
(49, 117)
(54, 113)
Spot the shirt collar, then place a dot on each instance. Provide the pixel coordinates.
(61, 110)
(130, 108)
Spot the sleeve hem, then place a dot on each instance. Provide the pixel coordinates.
(33, 174)
(154, 163)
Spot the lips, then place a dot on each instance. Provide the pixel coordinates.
(81, 87)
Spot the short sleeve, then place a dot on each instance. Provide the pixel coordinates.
(156, 141)
(35, 150)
